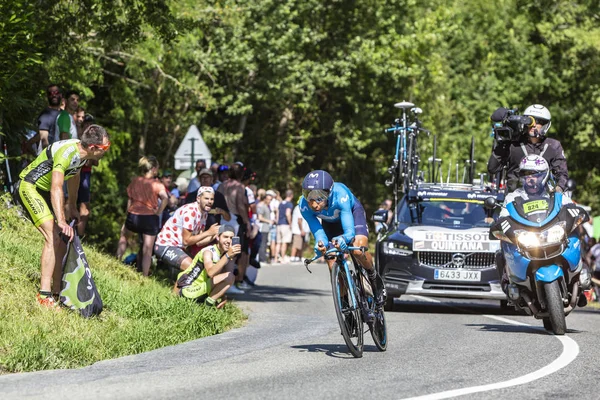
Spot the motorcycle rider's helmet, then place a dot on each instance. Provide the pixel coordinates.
(542, 116)
(533, 174)
(317, 185)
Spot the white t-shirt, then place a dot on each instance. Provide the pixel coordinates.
(187, 217)
(295, 228)
(274, 206)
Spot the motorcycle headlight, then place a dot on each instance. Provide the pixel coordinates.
(552, 235)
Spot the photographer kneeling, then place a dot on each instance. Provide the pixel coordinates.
(206, 280)
(517, 137)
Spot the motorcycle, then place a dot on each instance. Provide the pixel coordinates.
(543, 256)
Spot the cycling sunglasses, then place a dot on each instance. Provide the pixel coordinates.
(104, 147)
(541, 121)
(318, 196)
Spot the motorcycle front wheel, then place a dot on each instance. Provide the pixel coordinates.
(555, 308)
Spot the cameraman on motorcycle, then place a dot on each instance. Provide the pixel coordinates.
(534, 142)
(533, 173)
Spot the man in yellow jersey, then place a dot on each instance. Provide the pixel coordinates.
(40, 192)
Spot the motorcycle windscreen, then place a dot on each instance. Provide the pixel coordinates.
(536, 209)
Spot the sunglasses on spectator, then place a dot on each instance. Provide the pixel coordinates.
(104, 147)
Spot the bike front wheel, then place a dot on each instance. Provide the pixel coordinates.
(349, 318)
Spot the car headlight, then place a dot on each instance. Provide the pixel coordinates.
(396, 249)
(553, 235)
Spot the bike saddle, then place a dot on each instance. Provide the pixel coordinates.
(404, 104)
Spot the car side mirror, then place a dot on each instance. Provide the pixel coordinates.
(490, 203)
(381, 216)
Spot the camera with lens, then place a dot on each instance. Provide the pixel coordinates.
(508, 126)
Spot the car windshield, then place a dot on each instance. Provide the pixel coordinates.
(458, 214)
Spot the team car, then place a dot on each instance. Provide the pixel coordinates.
(438, 244)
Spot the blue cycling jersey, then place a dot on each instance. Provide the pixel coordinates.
(341, 202)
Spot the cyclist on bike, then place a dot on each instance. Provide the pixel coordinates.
(344, 222)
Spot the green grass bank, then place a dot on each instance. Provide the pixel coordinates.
(140, 314)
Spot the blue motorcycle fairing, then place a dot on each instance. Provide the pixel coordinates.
(549, 273)
(572, 252)
(516, 263)
(510, 207)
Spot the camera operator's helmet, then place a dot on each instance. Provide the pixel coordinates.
(317, 185)
(542, 116)
(534, 173)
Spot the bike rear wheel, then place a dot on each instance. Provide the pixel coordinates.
(350, 320)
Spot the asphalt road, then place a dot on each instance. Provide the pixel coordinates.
(291, 348)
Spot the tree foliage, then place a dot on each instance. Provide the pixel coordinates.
(288, 86)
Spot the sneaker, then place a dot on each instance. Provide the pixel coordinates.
(248, 281)
(243, 286)
(233, 289)
(48, 302)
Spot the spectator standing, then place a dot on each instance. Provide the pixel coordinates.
(143, 211)
(195, 179)
(222, 175)
(85, 182)
(237, 202)
(386, 206)
(167, 180)
(47, 119)
(214, 168)
(40, 192)
(284, 229)
(264, 217)
(66, 128)
(300, 229)
(273, 233)
(185, 228)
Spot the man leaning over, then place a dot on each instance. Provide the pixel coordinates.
(40, 192)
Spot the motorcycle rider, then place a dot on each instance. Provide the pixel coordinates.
(533, 173)
(535, 142)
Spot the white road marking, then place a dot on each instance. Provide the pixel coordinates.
(569, 353)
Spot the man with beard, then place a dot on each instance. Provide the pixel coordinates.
(47, 119)
(66, 128)
(185, 228)
(207, 279)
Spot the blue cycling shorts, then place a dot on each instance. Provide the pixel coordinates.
(333, 229)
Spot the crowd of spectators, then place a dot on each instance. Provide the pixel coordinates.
(177, 222)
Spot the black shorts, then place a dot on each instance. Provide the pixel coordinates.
(85, 179)
(170, 255)
(144, 224)
(333, 229)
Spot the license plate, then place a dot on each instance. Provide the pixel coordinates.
(457, 275)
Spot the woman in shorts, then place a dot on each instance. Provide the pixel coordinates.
(143, 211)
